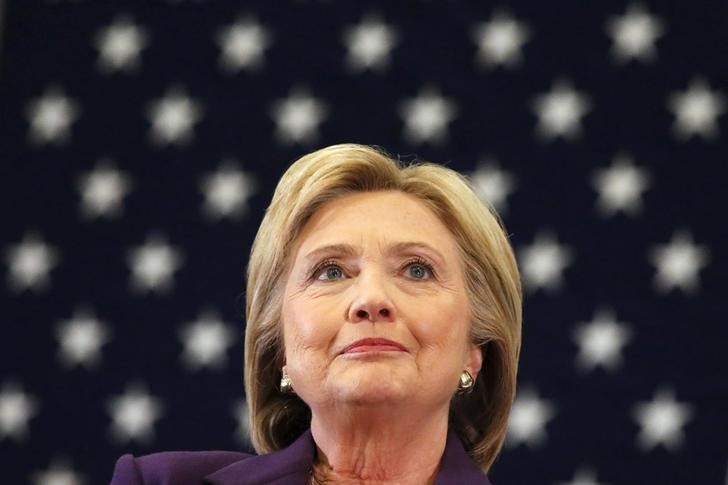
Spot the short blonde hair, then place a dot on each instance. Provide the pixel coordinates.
(480, 418)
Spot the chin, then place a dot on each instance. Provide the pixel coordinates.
(374, 384)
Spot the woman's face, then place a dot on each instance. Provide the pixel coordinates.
(379, 266)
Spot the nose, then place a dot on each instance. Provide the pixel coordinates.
(371, 301)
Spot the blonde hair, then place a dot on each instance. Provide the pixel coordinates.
(480, 418)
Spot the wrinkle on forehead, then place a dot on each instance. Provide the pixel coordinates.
(416, 222)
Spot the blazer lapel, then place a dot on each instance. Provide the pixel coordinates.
(457, 467)
(291, 465)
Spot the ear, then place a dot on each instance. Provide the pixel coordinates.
(474, 359)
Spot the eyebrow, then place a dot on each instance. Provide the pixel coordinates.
(400, 247)
(345, 249)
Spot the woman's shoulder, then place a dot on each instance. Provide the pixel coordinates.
(178, 467)
(289, 466)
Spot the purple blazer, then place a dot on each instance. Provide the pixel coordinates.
(289, 466)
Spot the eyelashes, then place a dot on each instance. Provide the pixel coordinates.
(421, 262)
(335, 270)
(325, 266)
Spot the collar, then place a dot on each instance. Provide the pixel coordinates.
(292, 465)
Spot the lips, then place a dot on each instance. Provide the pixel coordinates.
(373, 345)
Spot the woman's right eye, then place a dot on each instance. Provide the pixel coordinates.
(329, 272)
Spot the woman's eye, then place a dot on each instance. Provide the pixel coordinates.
(330, 273)
(418, 271)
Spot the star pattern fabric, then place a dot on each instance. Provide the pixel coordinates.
(543, 263)
(369, 44)
(173, 118)
(120, 45)
(240, 413)
(103, 190)
(30, 262)
(600, 342)
(133, 414)
(227, 191)
(426, 116)
(206, 341)
(620, 187)
(16, 409)
(678, 263)
(493, 185)
(500, 40)
(51, 117)
(80, 339)
(242, 45)
(59, 473)
(141, 145)
(662, 421)
(634, 34)
(298, 117)
(528, 420)
(697, 110)
(560, 112)
(583, 476)
(153, 265)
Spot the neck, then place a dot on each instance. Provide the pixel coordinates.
(374, 446)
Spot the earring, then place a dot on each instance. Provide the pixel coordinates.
(286, 384)
(466, 382)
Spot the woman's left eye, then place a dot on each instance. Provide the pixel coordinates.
(329, 272)
(418, 271)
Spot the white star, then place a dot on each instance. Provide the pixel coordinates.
(369, 44)
(696, 111)
(634, 34)
(560, 111)
(620, 187)
(206, 342)
(133, 414)
(59, 473)
(297, 117)
(81, 338)
(16, 409)
(103, 190)
(227, 191)
(153, 265)
(242, 45)
(528, 418)
(678, 263)
(661, 421)
(500, 40)
(29, 263)
(119, 45)
(240, 413)
(543, 262)
(426, 116)
(173, 117)
(600, 342)
(583, 476)
(51, 116)
(492, 185)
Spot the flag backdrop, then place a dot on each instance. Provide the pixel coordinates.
(141, 143)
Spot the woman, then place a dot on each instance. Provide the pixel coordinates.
(383, 332)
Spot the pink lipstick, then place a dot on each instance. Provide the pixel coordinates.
(373, 345)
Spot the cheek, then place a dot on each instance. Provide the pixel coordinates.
(306, 326)
(443, 323)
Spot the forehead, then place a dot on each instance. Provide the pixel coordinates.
(382, 217)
